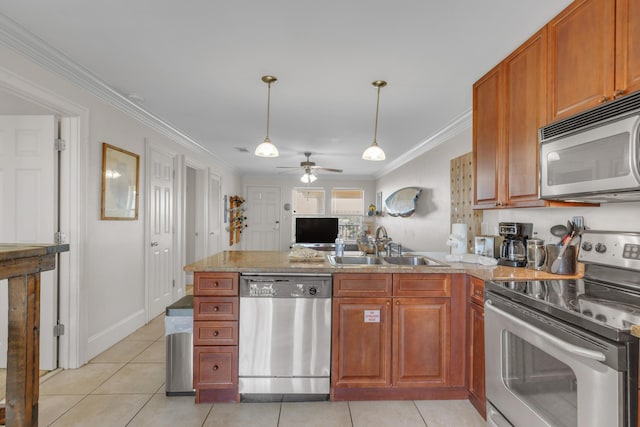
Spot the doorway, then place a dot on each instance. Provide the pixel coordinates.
(263, 219)
(29, 206)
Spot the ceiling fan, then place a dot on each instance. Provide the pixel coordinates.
(309, 167)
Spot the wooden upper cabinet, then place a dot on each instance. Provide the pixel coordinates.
(487, 137)
(627, 47)
(525, 112)
(509, 105)
(581, 57)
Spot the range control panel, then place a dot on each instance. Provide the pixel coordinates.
(611, 248)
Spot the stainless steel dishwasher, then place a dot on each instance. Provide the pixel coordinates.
(285, 337)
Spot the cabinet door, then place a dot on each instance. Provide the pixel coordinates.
(525, 112)
(487, 137)
(361, 342)
(421, 342)
(475, 365)
(362, 285)
(627, 47)
(581, 57)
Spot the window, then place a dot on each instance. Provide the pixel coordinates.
(308, 201)
(347, 202)
(348, 205)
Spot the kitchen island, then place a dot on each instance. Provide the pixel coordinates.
(418, 342)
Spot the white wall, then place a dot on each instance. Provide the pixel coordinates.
(287, 182)
(112, 292)
(428, 228)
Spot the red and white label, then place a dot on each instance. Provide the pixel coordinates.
(372, 316)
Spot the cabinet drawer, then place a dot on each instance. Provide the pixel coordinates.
(215, 367)
(476, 290)
(215, 333)
(362, 285)
(216, 284)
(421, 285)
(215, 308)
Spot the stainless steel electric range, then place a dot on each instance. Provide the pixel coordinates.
(560, 352)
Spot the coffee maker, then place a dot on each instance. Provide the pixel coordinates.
(513, 251)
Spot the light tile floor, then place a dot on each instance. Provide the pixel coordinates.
(124, 386)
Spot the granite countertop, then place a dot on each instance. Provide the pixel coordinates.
(279, 262)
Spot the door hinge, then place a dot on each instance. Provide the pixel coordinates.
(58, 330)
(173, 283)
(59, 237)
(59, 144)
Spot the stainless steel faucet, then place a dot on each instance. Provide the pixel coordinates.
(382, 241)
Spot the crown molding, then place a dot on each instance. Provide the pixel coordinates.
(453, 128)
(23, 41)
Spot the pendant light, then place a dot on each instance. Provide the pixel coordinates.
(374, 152)
(267, 149)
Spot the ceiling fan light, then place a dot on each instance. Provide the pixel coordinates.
(308, 178)
(267, 149)
(374, 153)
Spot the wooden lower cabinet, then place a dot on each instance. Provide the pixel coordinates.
(475, 349)
(215, 353)
(400, 347)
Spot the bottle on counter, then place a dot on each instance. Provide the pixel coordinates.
(339, 247)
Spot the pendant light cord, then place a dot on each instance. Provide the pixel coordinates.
(268, 106)
(375, 129)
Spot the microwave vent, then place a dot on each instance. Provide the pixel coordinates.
(614, 109)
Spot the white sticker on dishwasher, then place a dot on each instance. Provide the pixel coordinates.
(372, 316)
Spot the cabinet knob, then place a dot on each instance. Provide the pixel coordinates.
(618, 93)
(215, 284)
(603, 99)
(215, 333)
(215, 368)
(397, 302)
(216, 308)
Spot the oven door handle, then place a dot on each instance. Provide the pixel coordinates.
(574, 349)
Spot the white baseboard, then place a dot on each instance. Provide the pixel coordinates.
(103, 340)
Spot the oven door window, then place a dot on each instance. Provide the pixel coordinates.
(544, 383)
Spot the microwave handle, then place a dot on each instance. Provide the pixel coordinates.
(570, 348)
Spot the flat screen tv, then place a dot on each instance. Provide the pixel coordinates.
(316, 230)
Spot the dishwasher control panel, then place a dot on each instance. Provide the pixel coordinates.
(267, 286)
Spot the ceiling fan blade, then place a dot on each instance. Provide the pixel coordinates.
(326, 169)
(288, 167)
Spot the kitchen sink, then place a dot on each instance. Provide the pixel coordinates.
(408, 260)
(354, 260)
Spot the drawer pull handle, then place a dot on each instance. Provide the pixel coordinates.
(215, 367)
(215, 284)
(216, 308)
(478, 292)
(215, 333)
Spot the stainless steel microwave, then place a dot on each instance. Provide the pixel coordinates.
(593, 156)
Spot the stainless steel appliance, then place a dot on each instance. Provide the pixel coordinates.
(284, 337)
(513, 250)
(560, 352)
(593, 156)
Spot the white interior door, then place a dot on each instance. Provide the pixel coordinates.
(263, 219)
(214, 222)
(28, 212)
(160, 250)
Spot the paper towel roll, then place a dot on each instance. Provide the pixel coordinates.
(459, 235)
